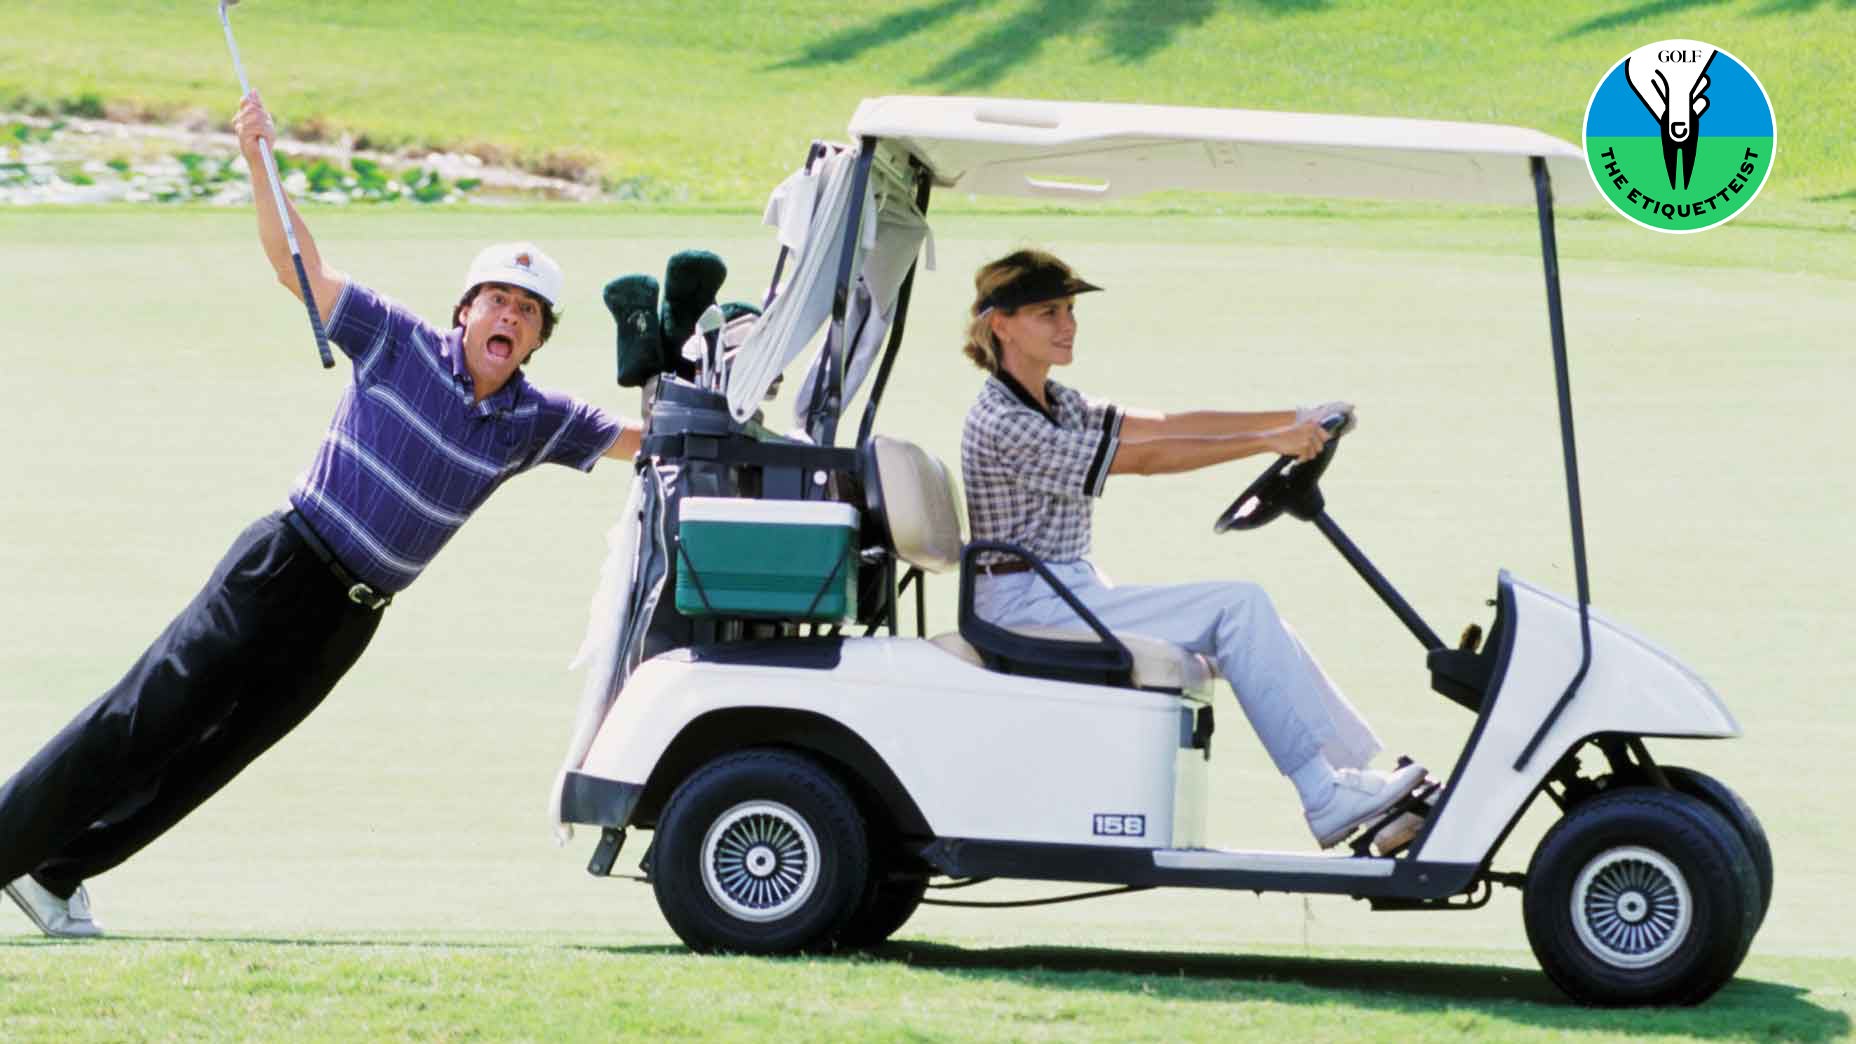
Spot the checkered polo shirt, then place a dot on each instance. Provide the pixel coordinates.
(411, 453)
(1030, 473)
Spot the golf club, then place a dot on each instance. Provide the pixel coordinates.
(277, 196)
(710, 324)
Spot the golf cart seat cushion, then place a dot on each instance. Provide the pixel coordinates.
(1157, 664)
(917, 499)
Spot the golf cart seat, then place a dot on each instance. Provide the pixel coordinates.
(912, 497)
(1158, 664)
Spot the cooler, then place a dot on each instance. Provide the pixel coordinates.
(784, 559)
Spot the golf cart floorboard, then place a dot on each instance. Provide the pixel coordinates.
(1359, 876)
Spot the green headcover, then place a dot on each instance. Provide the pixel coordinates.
(632, 300)
(691, 280)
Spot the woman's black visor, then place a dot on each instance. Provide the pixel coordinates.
(1042, 283)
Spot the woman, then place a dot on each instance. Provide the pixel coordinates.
(1034, 452)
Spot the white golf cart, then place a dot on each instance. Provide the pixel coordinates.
(807, 768)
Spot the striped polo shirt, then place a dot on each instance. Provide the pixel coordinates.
(410, 453)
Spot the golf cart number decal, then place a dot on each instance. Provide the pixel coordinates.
(1115, 824)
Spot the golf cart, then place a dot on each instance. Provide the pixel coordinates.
(807, 767)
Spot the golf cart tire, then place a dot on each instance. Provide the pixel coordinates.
(1724, 800)
(760, 852)
(888, 902)
(1641, 897)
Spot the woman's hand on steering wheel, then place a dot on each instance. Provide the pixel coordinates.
(1302, 442)
(1289, 484)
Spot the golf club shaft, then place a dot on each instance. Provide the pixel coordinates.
(283, 211)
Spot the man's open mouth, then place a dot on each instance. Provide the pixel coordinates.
(499, 347)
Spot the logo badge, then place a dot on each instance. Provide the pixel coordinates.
(522, 261)
(1679, 136)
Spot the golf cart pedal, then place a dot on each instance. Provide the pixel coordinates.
(1368, 839)
(1396, 827)
(1395, 836)
(611, 840)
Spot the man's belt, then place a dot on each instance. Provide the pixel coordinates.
(1017, 565)
(359, 592)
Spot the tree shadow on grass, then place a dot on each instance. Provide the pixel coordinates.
(1138, 28)
(1130, 31)
(1632, 15)
(1791, 7)
(987, 58)
(1744, 1008)
(853, 42)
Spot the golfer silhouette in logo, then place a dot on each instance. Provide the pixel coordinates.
(1671, 84)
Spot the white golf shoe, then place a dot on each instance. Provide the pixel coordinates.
(59, 918)
(1359, 795)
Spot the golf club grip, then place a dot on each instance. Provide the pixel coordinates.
(315, 318)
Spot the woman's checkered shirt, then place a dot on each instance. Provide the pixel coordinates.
(1030, 475)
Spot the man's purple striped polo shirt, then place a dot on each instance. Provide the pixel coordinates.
(410, 453)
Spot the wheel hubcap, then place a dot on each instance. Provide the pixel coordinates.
(760, 861)
(1631, 907)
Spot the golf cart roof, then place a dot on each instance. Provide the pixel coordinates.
(1091, 150)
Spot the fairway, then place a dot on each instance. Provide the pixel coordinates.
(169, 396)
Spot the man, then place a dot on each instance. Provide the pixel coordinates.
(433, 423)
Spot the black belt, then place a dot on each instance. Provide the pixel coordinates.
(359, 592)
(1001, 568)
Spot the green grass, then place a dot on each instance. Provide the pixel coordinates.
(909, 991)
(164, 393)
(712, 101)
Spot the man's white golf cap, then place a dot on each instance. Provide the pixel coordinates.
(517, 264)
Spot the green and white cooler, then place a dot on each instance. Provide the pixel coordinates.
(768, 559)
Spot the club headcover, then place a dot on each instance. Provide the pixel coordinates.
(691, 280)
(732, 310)
(632, 300)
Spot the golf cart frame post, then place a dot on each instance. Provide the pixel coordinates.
(1550, 258)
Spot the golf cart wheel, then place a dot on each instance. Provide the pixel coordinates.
(1641, 896)
(889, 900)
(1722, 799)
(759, 852)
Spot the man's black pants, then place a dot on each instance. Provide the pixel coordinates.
(254, 652)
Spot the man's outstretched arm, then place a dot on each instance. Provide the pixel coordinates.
(625, 447)
(253, 124)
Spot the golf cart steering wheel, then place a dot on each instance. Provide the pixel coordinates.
(1286, 485)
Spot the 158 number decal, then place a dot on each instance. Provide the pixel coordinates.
(1119, 824)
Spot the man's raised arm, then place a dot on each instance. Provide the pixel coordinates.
(253, 124)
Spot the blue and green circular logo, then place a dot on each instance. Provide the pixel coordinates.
(1679, 136)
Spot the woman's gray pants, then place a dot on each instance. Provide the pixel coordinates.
(1296, 710)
